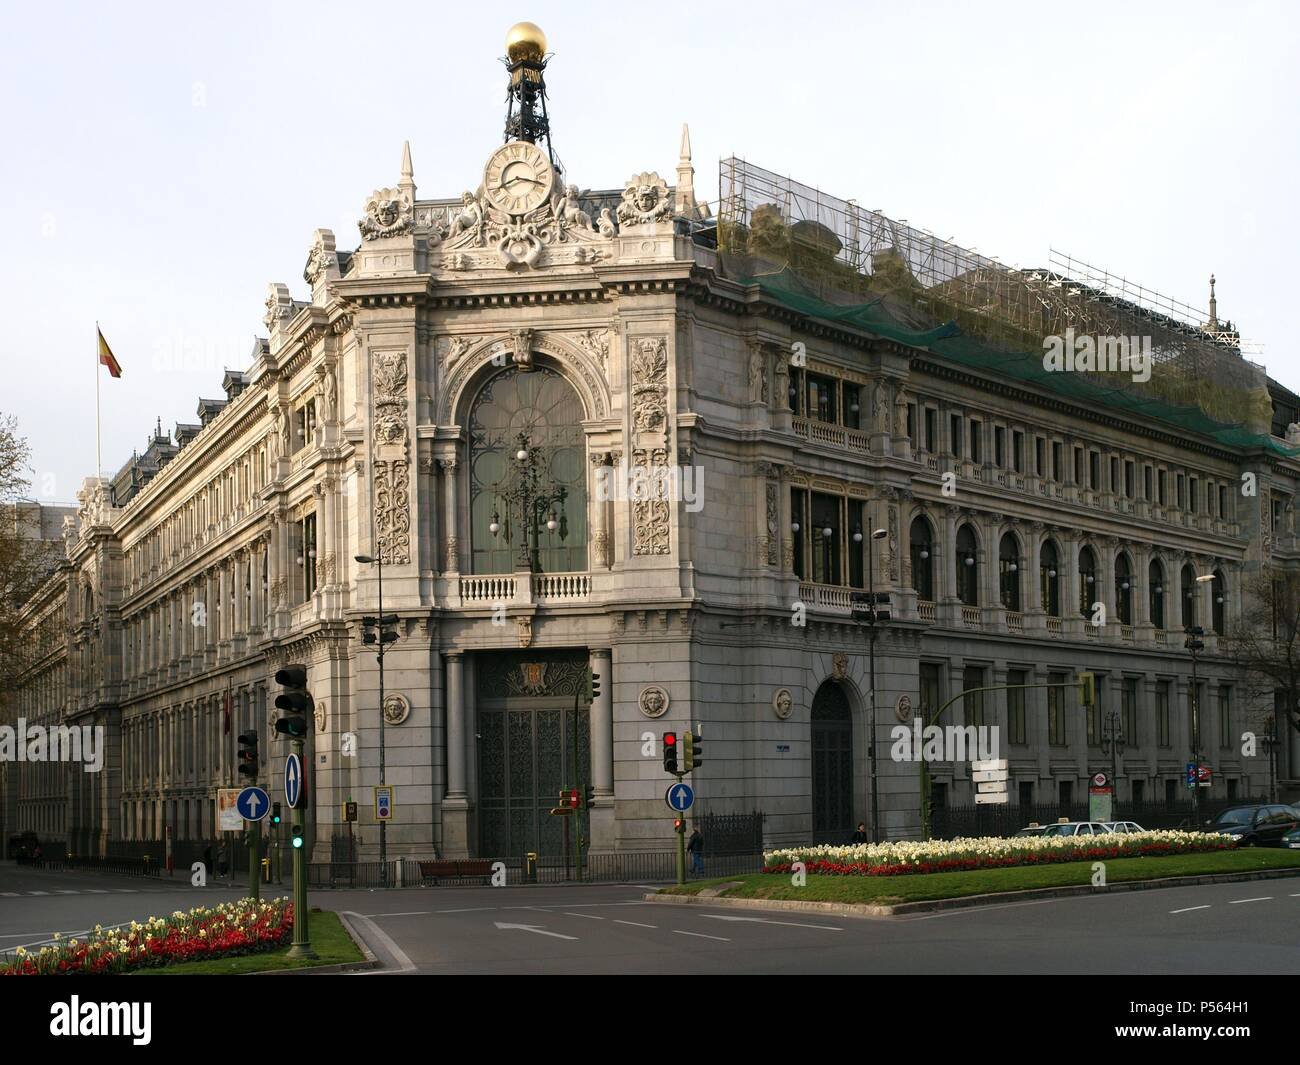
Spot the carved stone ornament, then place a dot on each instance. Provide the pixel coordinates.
(279, 305)
(321, 258)
(524, 626)
(522, 218)
(839, 665)
(903, 709)
(388, 214)
(391, 467)
(782, 703)
(532, 678)
(645, 200)
(321, 718)
(653, 701)
(595, 342)
(397, 708)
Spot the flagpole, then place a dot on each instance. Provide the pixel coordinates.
(99, 461)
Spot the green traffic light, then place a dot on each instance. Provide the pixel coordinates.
(297, 836)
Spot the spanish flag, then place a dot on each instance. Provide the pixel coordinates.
(106, 357)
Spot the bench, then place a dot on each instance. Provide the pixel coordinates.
(456, 869)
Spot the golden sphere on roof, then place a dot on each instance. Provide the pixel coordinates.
(525, 41)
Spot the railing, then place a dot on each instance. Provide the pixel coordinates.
(932, 462)
(1053, 626)
(561, 585)
(1015, 622)
(1092, 630)
(1162, 636)
(834, 597)
(970, 615)
(835, 435)
(1126, 632)
(925, 610)
(492, 588)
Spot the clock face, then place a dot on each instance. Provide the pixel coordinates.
(518, 178)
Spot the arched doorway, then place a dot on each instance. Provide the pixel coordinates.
(832, 765)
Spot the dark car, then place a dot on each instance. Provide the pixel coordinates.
(22, 846)
(1256, 826)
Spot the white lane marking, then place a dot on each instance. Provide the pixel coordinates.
(67, 892)
(406, 913)
(405, 963)
(700, 935)
(536, 929)
(38, 892)
(95, 891)
(126, 891)
(1189, 909)
(8, 894)
(1295, 895)
(1262, 898)
(635, 924)
(765, 920)
(469, 909)
(589, 916)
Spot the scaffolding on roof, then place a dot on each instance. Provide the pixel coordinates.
(840, 252)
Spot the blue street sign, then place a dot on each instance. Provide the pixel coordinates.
(253, 804)
(292, 780)
(680, 797)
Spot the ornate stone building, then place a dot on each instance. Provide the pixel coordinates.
(457, 394)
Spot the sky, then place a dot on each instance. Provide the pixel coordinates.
(163, 163)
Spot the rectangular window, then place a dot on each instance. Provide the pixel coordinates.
(1128, 698)
(929, 689)
(1056, 461)
(931, 429)
(1223, 502)
(796, 395)
(975, 452)
(1093, 716)
(1065, 794)
(821, 398)
(1056, 711)
(852, 405)
(973, 677)
(799, 518)
(955, 434)
(1114, 475)
(826, 546)
(1018, 452)
(1162, 483)
(304, 434)
(1038, 457)
(1225, 718)
(1015, 708)
(911, 421)
(1192, 493)
(1130, 487)
(1162, 713)
(1000, 447)
(307, 558)
(1078, 466)
(1146, 483)
(857, 552)
(1094, 470)
(1138, 789)
(1026, 793)
(1180, 492)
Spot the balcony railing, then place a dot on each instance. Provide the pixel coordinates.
(970, 615)
(1015, 622)
(835, 598)
(561, 585)
(1053, 626)
(925, 610)
(835, 435)
(488, 588)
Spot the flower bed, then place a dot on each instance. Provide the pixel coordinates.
(989, 852)
(244, 927)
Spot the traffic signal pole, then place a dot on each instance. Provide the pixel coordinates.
(301, 941)
(255, 860)
(681, 844)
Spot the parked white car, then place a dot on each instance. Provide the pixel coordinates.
(1077, 828)
(1124, 826)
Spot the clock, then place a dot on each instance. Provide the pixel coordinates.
(518, 178)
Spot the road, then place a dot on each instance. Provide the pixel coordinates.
(1251, 927)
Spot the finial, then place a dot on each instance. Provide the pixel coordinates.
(685, 153)
(407, 181)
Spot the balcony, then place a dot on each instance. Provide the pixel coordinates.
(828, 598)
(970, 615)
(925, 610)
(478, 590)
(561, 586)
(1015, 621)
(487, 589)
(833, 435)
(1053, 626)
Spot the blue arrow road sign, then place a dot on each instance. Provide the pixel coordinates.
(253, 804)
(292, 780)
(680, 797)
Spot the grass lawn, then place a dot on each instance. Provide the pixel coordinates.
(890, 890)
(329, 939)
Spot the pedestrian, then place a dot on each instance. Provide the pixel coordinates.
(860, 836)
(223, 859)
(207, 861)
(36, 856)
(695, 845)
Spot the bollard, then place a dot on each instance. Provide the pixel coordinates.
(530, 867)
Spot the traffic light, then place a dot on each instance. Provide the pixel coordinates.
(679, 824)
(297, 837)
(670, 752)
(295, 701)
(275, 813)
(691, 745)
(588, 796)
(248, 755)
(593, 686)
(384, 626)
(1087, 689)
(566, 797)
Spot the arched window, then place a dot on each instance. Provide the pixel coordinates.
(1087, 581)
(1219, 612)
(1123, 590)
(967, 567)
(1156, 592)
(1188, 593)
(539, 413)
(1050, 579)
(922, 540)
(1009, 572)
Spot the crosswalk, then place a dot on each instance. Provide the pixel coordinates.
(168, 890)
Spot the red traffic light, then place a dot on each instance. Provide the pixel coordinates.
(678, 824)
(670, 739)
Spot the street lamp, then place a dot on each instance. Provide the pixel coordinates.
(877, 534)
(1112, 743)
(366, 560)
(536, 502)
(1194, 646)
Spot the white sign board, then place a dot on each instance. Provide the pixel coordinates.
(987, 787)
(229, 819)
(989, 774)
(991, 798)
(989, 764)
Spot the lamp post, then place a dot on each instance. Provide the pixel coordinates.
(533, 500)
(1194, 646)
(1112, 743)
(871, 619)
(383, 825)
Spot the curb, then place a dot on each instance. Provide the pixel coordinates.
(860, 909)
(369, 961)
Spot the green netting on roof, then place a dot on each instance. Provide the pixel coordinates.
(948, 341)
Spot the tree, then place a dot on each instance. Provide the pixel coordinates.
(1265, 642)
(24, 559)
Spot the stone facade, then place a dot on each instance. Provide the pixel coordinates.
(351, 433)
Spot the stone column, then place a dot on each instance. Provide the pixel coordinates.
(1072, 622)
(239, 622)
(455, 806)
(448, 465)
(602, 753)
(597, 505)
(326, 535)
